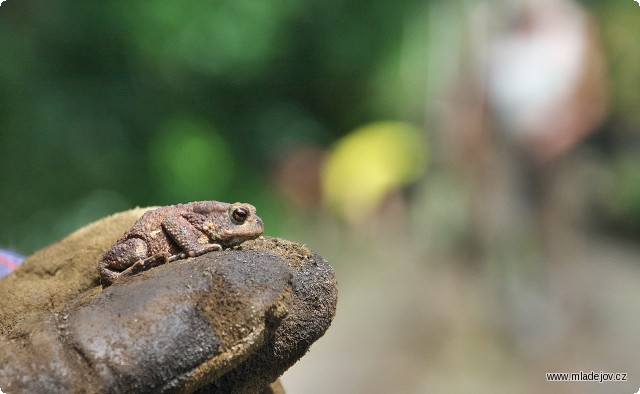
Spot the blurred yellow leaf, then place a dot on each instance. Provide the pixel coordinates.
(370, 162)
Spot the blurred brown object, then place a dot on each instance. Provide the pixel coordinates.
(528, 88)
(547, 83)
(298, 176)
(533, 79)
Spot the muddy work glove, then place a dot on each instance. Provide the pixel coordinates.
(226, 321)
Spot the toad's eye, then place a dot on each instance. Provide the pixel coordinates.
(240, 214)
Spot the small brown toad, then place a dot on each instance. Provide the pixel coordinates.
(176, 232)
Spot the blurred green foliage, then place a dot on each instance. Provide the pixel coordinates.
(109, 105)
(619, 23)
(190, 160)
(619, 27)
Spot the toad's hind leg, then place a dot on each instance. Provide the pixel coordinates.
(127, 258)
(150, 262)
(141, 265)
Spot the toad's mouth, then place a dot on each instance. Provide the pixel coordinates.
(235, 241)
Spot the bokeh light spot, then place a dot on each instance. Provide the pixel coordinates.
(191, 161)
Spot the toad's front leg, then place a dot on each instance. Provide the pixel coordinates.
(191, 241)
